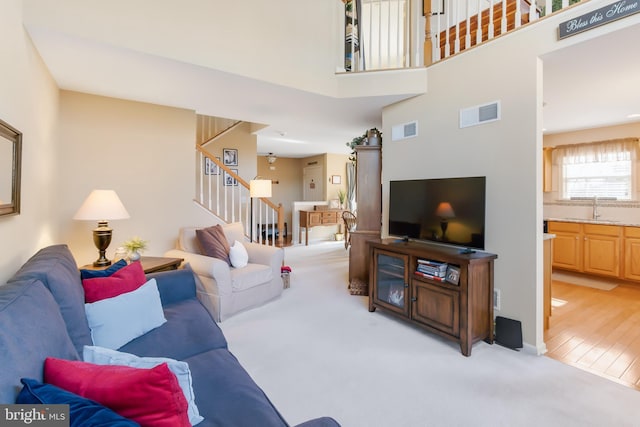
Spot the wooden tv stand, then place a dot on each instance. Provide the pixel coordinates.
(461, 312)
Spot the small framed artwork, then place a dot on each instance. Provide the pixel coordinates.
(453, 275)
(336, 179)
(229, 180)
(230, 156)
(210, 168)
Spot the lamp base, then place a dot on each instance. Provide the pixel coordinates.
(102, 238)
(443, 226)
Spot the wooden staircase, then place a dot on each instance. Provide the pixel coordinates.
(469, 38)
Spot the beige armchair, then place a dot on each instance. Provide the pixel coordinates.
(223, 289)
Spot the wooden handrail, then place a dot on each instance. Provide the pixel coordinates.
(496, 11)
(219, 134)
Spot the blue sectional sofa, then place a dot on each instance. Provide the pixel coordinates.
(42, 315)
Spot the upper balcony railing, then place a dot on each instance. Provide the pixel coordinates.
(392, 34)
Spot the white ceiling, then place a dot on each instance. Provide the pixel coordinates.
(594, 83)
(591, 84)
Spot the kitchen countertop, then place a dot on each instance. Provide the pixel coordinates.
(595, 221)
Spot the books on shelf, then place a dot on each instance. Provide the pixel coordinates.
(429, 276)
(432, 268)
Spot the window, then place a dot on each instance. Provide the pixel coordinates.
(602, 169)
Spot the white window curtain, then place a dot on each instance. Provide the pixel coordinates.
(615, 149)
(617, 181)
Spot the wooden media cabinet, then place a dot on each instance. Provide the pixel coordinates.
(458, 306)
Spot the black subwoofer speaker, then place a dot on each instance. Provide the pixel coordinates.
(508, 333)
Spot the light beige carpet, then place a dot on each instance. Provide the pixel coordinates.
(318, 351)
(581, 280)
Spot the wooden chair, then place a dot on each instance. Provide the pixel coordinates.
(349, 225)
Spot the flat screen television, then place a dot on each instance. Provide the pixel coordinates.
(446, 210)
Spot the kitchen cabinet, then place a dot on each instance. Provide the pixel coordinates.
(547, 169)
(567, 246)
(602, 245)
(603, 250)
(632, 253)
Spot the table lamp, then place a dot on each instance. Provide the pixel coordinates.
(444, 211)
(102, 206)
(260, 188)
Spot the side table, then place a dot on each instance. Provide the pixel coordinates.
(150, 264)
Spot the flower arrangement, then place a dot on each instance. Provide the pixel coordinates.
(135, 244)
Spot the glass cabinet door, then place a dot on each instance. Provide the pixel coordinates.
(391, 281)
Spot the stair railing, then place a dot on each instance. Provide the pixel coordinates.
(386, 34)
(225, 194)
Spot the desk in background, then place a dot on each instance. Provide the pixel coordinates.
(310, 219)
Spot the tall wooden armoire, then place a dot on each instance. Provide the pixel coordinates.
(369, 215)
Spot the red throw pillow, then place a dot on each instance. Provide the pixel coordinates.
(213, 243)
(150, 397)
(125, 280)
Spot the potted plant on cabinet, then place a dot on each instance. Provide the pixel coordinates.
(371, 137)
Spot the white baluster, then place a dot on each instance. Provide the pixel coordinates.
(209, 197)
(467, 37)
(456, 48)
(490, 29)
(200, 160)
(503, 20)
(438, 35)
(518, 16)
(479, 26)
(447, 26)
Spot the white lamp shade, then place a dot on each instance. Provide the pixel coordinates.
(260, 188)
(102, 205)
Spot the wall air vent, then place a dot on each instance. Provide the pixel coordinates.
(404, 131)
(480, 114)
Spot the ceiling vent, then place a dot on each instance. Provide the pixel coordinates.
(480, 114)
(404, 131)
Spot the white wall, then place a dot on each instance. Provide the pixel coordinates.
(507, 152)
(290, 43)
(28, 102)
(142, 151)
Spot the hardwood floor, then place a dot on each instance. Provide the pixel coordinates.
(597, 330)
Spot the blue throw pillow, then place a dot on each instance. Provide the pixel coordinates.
(82, 412)
(90, 274)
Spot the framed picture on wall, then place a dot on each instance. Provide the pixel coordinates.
(210, 168)
(230, 156)
(229, 180)
(336, 179)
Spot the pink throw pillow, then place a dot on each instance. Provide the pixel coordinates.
(150, 397)
(127, 279)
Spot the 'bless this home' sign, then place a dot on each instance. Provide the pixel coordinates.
(598, 17)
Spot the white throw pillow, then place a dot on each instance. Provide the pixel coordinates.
(238, 255)
(105, 356)
(118, 320)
